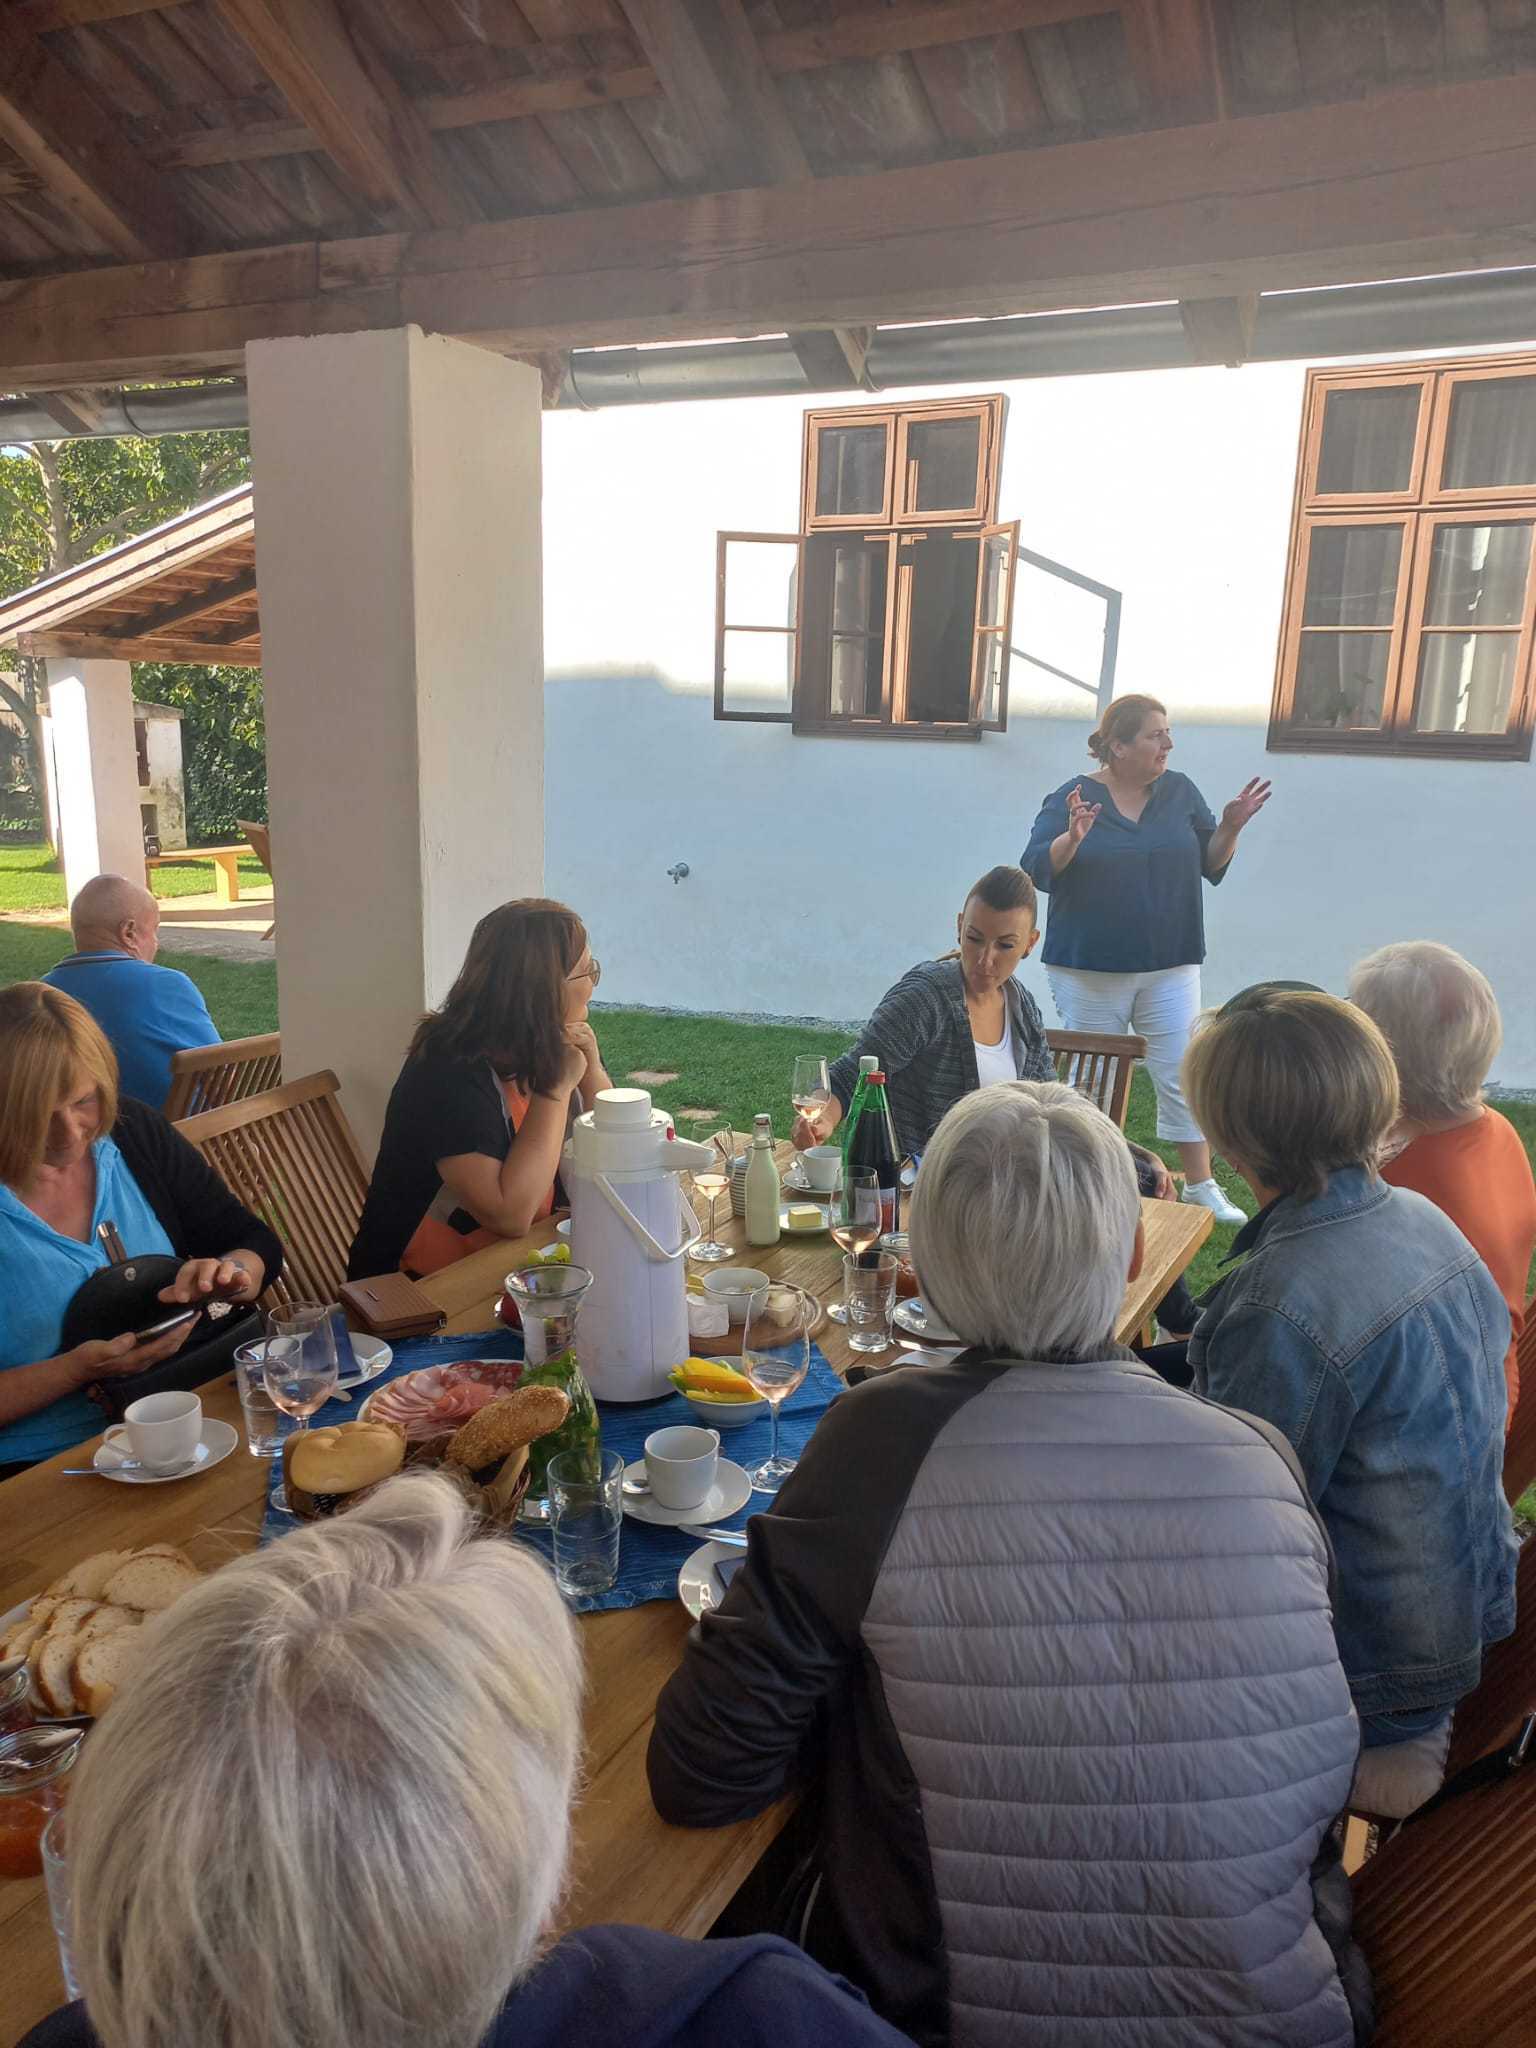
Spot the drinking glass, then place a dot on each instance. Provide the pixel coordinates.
(853, 1216)
(712, 1180)
(776, 1356)
(810, 1088)
(586, 1512)
(299, 1367)
(55, 1851)
(869, 1296)
(265, 1423)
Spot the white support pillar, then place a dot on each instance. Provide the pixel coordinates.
(95, 762)
(398, 553)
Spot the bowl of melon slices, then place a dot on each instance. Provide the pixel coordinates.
(720, 1395)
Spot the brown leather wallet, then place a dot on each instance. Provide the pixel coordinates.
(391, 1305)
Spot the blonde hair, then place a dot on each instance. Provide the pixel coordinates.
(1441, 1018)
(46, 1040)
(1292, 1087)
(1122, 721)
(1023, 1221)
(331, 1804)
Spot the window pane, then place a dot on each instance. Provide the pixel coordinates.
(989, 661)
(1477, 575)
(1352, 575)
(850, 470)
(1341, 679)
(994, 579)
(760, 582)
(942, 630)
(1466, 681)
(946, 453)
(1368, 439)
(759, 671)
(856, 671)
(1492, 437)
(858, 588)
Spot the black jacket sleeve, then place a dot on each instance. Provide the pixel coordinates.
(202, 1218)
(737, 1721)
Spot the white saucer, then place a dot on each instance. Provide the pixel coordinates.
(796, 1183)
(919, 1320)
(697, 1586)
(218, 1440)
(373, 1356)
(818, 1229)
(728, 1496)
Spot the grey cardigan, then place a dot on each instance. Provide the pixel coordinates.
(921, 1035)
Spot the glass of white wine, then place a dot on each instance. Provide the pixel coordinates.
(810, 1087)
(712, 1181)
(299, 1367)
(776, 1356)
(853, 1215)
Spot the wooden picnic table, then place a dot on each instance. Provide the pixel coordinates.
(226, 865)
(628, 1864)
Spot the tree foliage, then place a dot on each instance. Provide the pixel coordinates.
(62, 502)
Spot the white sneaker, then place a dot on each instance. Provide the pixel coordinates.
(1210, 1196)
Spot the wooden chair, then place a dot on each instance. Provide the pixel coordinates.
(1490, 1714)
(1446, 1913)
(1099, 1066)
(291, 1157)
(208, 1076)
(260, 837)
(1520, 1444)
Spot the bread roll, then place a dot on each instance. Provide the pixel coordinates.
(149, 1583)
(345, 1456)
(510, 1421)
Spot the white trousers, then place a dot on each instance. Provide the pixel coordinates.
(1160, 1007)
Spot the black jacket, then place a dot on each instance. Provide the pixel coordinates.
(201, 1217)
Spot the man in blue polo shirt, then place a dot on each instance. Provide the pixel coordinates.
(147, 1012)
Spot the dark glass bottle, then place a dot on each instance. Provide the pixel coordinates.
(873, 1145)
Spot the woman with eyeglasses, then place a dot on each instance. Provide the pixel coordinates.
(477, 1119)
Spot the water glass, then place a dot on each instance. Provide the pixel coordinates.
(869, 1299)
(586, 1513)
(266, 1425)
(56, 1878)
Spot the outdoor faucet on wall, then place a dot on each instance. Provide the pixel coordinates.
(680, 873)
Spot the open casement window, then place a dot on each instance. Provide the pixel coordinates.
(757, 626)
(1410, 593)
(994, 626)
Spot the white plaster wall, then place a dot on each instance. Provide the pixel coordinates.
(167, 786)
(821, 869)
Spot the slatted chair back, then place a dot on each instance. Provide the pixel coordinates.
(1506, 1692)
(208, 1076)
(260, 837)
(1520, 1444)
(1098, 1066)
(1446, 1913)
(291, 1157)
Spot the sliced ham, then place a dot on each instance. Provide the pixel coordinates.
(439, 1397)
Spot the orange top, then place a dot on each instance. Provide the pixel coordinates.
(434, 1242)
(1480, 1176)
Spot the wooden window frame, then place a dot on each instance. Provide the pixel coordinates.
(1421, 513)
(812, 521)
(981, 506)
(793, 633)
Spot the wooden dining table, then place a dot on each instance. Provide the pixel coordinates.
(628, 1864)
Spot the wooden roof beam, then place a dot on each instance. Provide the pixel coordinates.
(193, 607)
(1220, 330)
(105, 647)
(347, 99)
(75, 412)
(1176, 58)
(834, 358)
(63, 135)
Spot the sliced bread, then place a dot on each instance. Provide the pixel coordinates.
(21, 1635)
(105, 1620)
(165, 1550)
(100, 1668)
(89, 1577)
(150, 1583)
(55, 1680)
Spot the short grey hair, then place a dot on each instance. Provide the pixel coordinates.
(332, 1802)
(1023, 1221)
(106, 903)
(1441, 1018)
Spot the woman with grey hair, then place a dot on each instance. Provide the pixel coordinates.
(332, 1804)
(1054, 1641)
(1439, 1015)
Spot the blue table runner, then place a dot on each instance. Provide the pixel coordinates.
(649, 1557)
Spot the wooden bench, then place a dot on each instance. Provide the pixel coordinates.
(226, 865)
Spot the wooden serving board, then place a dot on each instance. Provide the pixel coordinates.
(729, 1346)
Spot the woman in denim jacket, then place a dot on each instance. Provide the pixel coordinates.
(1363, 1325)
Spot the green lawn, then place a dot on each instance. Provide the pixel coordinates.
(241, 999)
(30, 878)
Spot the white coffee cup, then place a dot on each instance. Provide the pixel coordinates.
(680, 1465)
(823, 1166)
(161, 1430)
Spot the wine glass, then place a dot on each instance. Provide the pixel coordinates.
(299, 1367)
(810, 1088)
(776, 1356)
(712, 1180)
(853, 1215)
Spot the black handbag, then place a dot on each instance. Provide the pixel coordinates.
(126, 1296)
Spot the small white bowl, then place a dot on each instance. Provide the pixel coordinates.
(725, 1414)
(734, 1285)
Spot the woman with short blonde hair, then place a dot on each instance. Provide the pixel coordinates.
(332, 1804)
(1364, 1326)
(1441, 1018)
(74, 1155)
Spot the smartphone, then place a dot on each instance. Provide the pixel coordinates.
(166, 1325)
(726, 1568)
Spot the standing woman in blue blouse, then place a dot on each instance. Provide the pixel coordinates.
(1123, 865)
